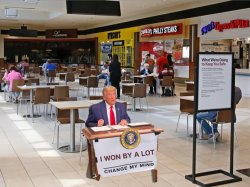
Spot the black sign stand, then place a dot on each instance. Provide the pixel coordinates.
(192, 177)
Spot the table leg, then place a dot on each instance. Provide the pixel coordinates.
(88, 92)
(134, 103)
(72, 130)
(154, 175)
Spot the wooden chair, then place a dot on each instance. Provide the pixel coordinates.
(168, 82)
(139, 92)
(15, 89)
(223, 117)
(42, 96)
(60, 92)
(51, 75)
(187, 108)
(33, 81)
(92, 82)
(187, 93)
(63, 118)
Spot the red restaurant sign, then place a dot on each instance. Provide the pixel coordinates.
(162, 30)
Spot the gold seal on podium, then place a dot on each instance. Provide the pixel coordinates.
(130, 138)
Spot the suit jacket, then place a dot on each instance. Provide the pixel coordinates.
(142, 72)
(99, 111)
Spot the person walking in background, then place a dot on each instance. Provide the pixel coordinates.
(115, 73)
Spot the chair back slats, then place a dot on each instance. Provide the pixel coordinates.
(224, 116)
(17, 82)
(52, 73)
(167, 81)
(70, 77)
(92, 82)
(33, 81)
(61, 92)
(87, 72)
(95, 97)
(187, 93)
(42, 95)
(140, 90)
(83, 82)
(149, 80)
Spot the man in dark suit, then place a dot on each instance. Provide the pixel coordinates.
(108, 111)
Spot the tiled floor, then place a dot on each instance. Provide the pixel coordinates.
(28, 158)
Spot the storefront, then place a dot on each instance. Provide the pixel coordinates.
(172, 38)
(227, 32)
(60, 44)
(120, 42)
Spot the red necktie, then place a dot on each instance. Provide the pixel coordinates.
(112, 116)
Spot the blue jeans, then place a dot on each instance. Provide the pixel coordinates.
(104, 76)
(210, 116)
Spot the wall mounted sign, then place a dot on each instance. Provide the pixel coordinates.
(114, 35)
(61, 33)
(162, 30)
(106, 48)
(118, 43)
(220, 27)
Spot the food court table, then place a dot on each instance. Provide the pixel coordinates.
(71, 105)
(31, 88)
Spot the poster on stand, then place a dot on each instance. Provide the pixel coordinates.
(215, 71)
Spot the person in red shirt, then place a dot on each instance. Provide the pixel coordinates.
(161, 63)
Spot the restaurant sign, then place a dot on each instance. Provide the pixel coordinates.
(233, 24)
(162, 30)
(61, 33)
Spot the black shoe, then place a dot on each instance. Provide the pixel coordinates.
(162, 94)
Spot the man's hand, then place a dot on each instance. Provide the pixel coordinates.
(123, 122)
(100, 123)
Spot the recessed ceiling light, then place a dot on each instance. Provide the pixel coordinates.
(10, 12)
(31, 1)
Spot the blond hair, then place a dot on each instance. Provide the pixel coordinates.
(108, 88)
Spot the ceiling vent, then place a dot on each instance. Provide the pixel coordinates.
(11, 12)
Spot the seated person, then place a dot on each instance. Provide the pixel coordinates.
(23, 66)
(8, 78)
(104, 73)
(50, 67)
(108, 111)
(147, 71)
(203, 117)
(44, 68)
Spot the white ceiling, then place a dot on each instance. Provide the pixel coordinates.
(51, 14)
